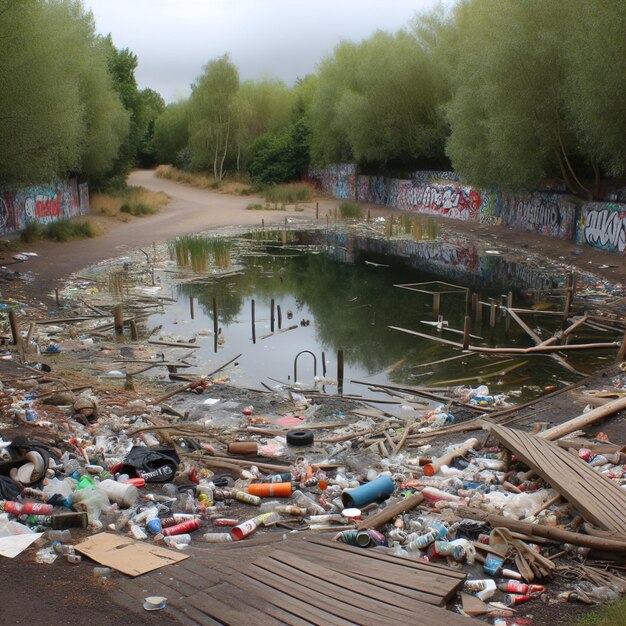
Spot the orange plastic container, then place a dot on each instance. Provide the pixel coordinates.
(270, 490)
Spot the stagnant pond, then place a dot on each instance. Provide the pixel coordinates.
(339, 291)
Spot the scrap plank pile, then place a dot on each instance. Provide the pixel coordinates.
(599, 499)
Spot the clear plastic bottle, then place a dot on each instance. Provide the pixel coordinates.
(306, 502)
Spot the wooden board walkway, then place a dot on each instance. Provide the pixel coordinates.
(303, 580)
(596, 497)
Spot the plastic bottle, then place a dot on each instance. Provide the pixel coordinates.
(216, 537)
(58, 535)
(63, 549)
(137, 532)
(422, 541)
(183, 538)
(184, 527)
(305, 502)
(125, 495)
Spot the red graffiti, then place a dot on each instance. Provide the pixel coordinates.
(50, 207)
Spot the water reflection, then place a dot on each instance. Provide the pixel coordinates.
(339, 289)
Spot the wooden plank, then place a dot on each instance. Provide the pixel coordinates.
(215, 603)
(319, 591)
(278, 577)
(596, 497)
(406, 582)
(304, 600)
(366, 594)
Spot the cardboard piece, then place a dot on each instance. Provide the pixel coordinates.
(13, 545)
(127, 555)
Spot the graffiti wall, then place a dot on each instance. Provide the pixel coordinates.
(602, 225)
(549, 214)
(43, 204)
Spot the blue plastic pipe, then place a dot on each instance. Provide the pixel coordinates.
(374, 491)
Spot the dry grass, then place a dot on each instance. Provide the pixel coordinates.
(111, 206)
(202, 181)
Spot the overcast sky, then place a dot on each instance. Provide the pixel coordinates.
(284, 39)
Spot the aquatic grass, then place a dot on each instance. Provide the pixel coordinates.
(221, 247)
(195, 251)
(350, 210)
(264, 207)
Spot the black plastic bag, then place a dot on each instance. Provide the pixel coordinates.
(154, 464)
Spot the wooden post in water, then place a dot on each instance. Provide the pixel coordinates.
(279, 314)
(468, 302)
(56, 295)
(436, 304)
(272, 315)
(467, 327)
(252, 307)
(118, 320)
(317, 210)
(369, 217)
(340, 372)
(509, 305)
(323, 364)
(191, 309)
(15, 331)
(569, 295)
(215, 325)
(134, 334)
(493, 310)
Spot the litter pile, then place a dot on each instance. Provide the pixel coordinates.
(525, 518)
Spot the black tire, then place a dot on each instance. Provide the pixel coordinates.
(300, 438)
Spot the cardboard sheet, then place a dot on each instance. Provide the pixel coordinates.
(127, 555)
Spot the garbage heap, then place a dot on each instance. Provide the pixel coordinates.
(175, 480)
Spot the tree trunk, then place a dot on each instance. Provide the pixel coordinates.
(225, 151)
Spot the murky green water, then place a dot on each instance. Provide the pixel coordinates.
(338, 292)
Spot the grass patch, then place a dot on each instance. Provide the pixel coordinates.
(139, 209)
(132, 201)
(349, 210)
(288, 194)
(612, 615)
(195, 251)
(203, 181)
(61, 230)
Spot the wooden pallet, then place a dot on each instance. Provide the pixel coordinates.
(301, 581)
(596, 497)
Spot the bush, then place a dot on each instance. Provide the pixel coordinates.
(138, 209)
(31, 232)
(350, 210)
(64, 230)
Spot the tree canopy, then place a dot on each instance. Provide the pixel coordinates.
(506, 92)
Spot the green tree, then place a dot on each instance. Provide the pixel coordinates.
(538, 92)
(596, 81)
(58, 112)
(211, 114)
(171, 132)
(259, 107)
(152, 105)
(380, 102)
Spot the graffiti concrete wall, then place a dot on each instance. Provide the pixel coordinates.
(602, 225)
(42, 204)
(549, 214)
